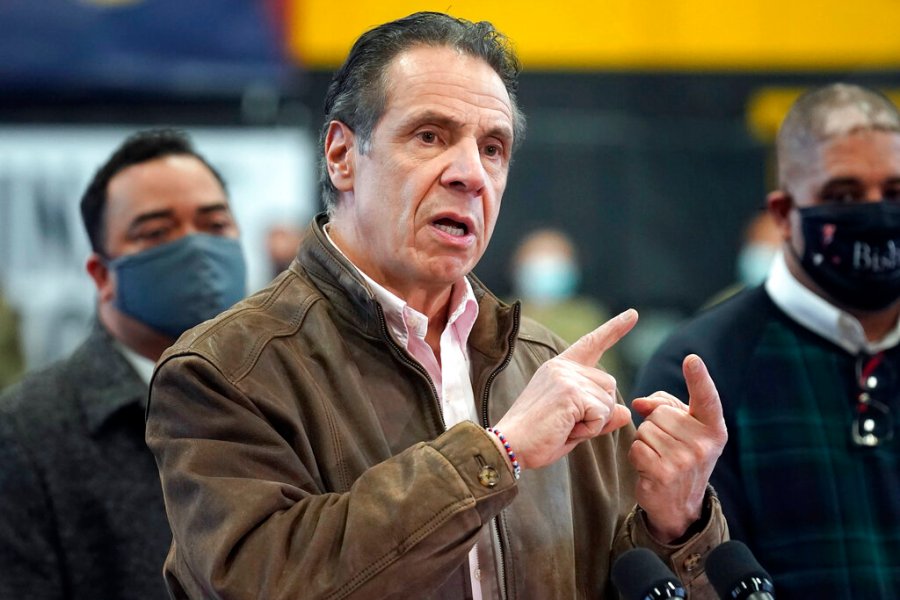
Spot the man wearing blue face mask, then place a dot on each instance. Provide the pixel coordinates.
(81, 511)
(808, 365)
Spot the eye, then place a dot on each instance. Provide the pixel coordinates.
(218, 227)
(892, 194)
(493, 150)
(429, 137)
(153, 235)
(841, 196)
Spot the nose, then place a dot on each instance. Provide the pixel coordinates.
(465, 171)
(188, 228)
(874, 193)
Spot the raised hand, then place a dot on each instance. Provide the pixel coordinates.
(568, 400)
(676, 449)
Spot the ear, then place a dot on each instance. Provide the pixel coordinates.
(102, 276)
(779, 204)
(340, 142)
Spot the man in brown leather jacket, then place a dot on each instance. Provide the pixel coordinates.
(339, 434)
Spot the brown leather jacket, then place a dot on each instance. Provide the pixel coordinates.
(303, 454)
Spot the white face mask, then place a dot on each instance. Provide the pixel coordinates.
(546, 278)
(754, 262)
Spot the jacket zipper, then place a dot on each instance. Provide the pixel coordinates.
(382, 321)
(485, 422)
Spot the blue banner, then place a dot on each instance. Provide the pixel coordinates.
(179, 47)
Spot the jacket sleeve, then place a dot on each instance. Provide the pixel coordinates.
(250, 517)
(687, 559)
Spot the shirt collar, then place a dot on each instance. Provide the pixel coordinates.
(143, 366)
(109, 381)
(404, 320)
(820, 316)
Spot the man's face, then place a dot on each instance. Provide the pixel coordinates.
(162, 200)
(155, 202)
(418, 207)
(863, 166)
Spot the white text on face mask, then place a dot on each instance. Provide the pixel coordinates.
(875, 259)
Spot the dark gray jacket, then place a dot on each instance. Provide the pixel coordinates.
(81, 511)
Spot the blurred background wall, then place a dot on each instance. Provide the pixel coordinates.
(649, 126)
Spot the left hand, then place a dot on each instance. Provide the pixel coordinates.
(675, 450)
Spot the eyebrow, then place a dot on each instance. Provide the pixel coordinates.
(842, 181)
(214, 208)
(838, 181)
(169, 214)
(149, 216)
(446, 121)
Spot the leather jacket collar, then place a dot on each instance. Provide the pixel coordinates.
(348, 292)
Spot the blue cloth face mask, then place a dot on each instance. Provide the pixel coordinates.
(180, 284)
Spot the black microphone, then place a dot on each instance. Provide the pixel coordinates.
(736, 575)
(639, 574)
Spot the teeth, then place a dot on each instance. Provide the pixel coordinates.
(451, 229)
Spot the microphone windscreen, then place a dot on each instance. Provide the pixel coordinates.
(731, 565)
(639, 574)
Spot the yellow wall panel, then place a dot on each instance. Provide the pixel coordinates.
(636, 34)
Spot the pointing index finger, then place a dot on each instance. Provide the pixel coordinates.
(591, 346)
(704, 403)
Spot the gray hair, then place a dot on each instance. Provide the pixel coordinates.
(358, 92)
(825, 113)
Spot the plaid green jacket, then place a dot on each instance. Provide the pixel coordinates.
(820, 513)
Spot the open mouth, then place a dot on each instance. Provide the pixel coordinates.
(452, 227)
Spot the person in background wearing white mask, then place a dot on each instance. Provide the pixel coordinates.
(546, 278)
(762, 243)
(760, 246)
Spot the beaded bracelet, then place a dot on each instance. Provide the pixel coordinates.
(517, 470)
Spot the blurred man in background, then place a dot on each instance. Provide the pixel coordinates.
(760, 245)
(81, 512)
(808, 366)
(546, 277)
(282, 242)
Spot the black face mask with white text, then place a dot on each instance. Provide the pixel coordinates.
(852, 251)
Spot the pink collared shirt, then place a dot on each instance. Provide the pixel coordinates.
(451, 376)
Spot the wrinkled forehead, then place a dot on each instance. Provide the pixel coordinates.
(443, 65)
(444, 74)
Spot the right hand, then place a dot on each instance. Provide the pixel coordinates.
(568, 400)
